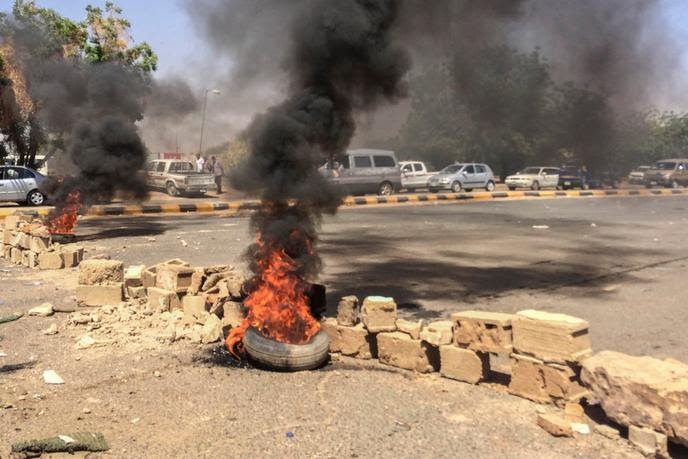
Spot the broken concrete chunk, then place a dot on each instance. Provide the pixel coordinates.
(410, 327)
(72, 256)
(39, 244)
(437, 333)
(94, 272)
(136, 292)
(483, 331)
(174, 278)
(159, 300)
(51, 377)
(212, 330)
(463, 364)
(349, 341)
(555, 424)
(195, 310)
(551, 337)
(232, 314)
(44, 310)
(133, 276)
(651, 443)
(379, 314)
(99, 295)
(348, 311)
(545, 382)
(641, 391)
(399, 350)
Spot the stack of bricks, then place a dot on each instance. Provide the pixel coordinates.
(26, 241)
(540, 351)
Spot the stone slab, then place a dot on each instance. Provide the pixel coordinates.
(483, 331)
(551, 337)
(400, 350)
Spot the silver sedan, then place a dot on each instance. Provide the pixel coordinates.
(20, 184)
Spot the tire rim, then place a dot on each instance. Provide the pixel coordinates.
(37, 198)
(536, 186)
(171, 190)
(386, 189)
(456, 187)
(490, 186)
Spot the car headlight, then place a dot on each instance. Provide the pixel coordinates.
(444, 180)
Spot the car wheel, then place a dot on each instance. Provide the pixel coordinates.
(35, 198)
(585, 186)
(490, 186)
(673, 184)
(512, 188)
(286, 357)
(535, 186)
(456, 187)
(172, 189)
(386, 189)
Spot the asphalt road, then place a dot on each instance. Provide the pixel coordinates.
(619, 263)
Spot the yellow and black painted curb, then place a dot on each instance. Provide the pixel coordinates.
(353, 201)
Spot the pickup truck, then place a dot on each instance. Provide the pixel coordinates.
(178, 177)
(414, 175)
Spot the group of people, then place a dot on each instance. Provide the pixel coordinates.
(212, 167)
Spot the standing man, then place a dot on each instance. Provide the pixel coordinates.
(200, 163)
(218, 171)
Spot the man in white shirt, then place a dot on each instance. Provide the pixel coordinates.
(200, 162)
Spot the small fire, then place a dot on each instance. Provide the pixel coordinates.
(62, 220)
(278, 307)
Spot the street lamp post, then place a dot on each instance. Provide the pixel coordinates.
(205, 104)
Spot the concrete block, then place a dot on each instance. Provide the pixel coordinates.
(483, 331)
(399, 350)
(545, 382)
(23, 241)
(148, 276)
(12, 221)
(7, 236)
(212, 330)
(99, 295)
(174, 278)
(39, 244)
(438, 333)
(133, 275)
(72, 255)
(551, 337)
(197, 279)
(350, 341)
(136, 292)
(348, 311)
(410, 327)
(232, 314)
(94, 272)
(463, 364)
(25, 258)
(50, 260)
(195, 309)
(379, 314)
(648, 441)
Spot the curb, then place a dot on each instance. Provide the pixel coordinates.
(351, 201)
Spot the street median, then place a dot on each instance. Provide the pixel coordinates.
(351, 201)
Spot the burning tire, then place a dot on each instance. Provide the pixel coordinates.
(269, 353)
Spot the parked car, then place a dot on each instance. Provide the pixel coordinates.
(573, 176)
(178, 177)
(20, 184)
(463, 176)
(414, 175)
(365, 171)
(670, 173)
(534, 178)
(637, 175)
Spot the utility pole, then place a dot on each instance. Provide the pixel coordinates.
(205, 104)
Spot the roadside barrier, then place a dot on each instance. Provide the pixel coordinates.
(353, 201)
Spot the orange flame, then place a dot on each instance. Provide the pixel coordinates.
(63, 219)
(278, 307)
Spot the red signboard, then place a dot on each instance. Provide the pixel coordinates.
(169, 156)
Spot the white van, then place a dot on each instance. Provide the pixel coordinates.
(365, 171)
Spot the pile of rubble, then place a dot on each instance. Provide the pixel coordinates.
(546, 358)
(27, 241)
(157, 304)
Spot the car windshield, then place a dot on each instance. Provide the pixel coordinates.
(454, 168)
(665, 165)
(530, 171)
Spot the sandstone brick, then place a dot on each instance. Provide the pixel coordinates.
(437, 333)
(350, 341)
(7, 252)
(348, 311)
(25, 258)
(16, 255)
(399, 350)
(195, 309)
(12, 221)
(73, 255)
(197, 279)
(159, 300)
(50, 260)
(379, 314)
(555, 424)
(94, 272)
(22, 240)
(39, 244)
(212, 330)
(33, 260)
(551, 337)
(483, 331)
(136, 292)
(545, 382)
(174, 278)
(641, 391)
(463, 364)
(149, 274)
(7, 236)
(99, 295)
(410, 327)
(132, 276)
(232, 314)
(651, 443)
